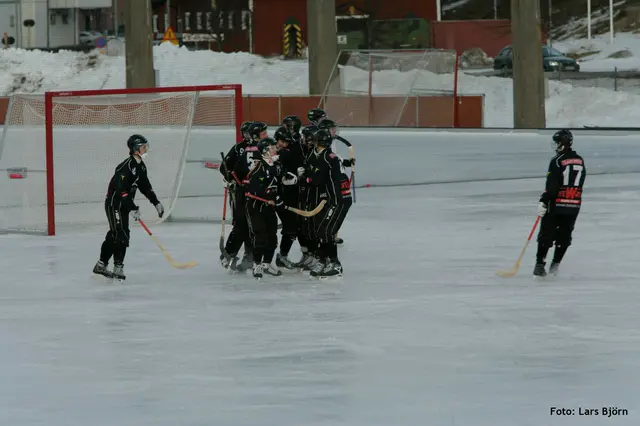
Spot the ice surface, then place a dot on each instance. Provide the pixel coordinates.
(420, 331)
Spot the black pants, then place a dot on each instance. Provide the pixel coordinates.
(330, 219)
(558, 229)
(117, 239)
(290, 222)
(263, 225)
(327, 225)
(240, 233)
(306, 228)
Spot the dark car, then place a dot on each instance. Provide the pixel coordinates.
(552, 60)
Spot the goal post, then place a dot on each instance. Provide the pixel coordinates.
(384, 87)
(84, 134)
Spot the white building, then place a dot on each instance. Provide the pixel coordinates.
(56, 22)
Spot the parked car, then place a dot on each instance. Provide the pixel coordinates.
(552, 60)
(89, 37)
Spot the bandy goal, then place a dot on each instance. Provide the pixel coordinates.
(385, 88)
(59, 150)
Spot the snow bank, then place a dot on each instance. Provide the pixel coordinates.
(601, 44)
(36, 72)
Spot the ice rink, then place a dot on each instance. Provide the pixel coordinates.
(420, 331)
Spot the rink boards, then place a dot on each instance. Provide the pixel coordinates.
(85, 160)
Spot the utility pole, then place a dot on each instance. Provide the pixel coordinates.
(528, 75)
(138, 44)
(322, 41)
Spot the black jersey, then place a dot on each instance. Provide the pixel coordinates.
(565, 179)
(324, 171)
(263, 182)
(129, 176)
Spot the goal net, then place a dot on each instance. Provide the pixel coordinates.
(385, 88)
(58, 152)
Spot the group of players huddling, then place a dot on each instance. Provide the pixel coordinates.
(296, 167)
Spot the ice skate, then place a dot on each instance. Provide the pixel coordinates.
(303, 260)
(539, 271)
(101, 269)
(333, 269)
(269, 269)
(318, 267)
(225, 259)
(553, 269)
(245, 263)
(284, 262)
(118, 272)
(309, 264)
(339, 241)
(257, 271)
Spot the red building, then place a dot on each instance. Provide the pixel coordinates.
(270, 16)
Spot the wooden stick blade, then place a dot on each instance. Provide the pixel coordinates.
(507, 274)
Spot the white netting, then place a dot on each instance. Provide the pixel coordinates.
(374, 87)
(89, 141)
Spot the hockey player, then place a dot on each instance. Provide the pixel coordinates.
(235, 167)
(290, 160)
(324, 174)
(129, 176)
(332, 126)
(264, 183)
(315, 115)
(306, 232)
(560, 203)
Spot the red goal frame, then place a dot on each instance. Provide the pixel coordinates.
(49, 100)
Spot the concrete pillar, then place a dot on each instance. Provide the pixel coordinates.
(139, 48)
(322, 41)
(528, 75)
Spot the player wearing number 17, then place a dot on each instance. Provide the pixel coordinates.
(129, 176)
(560, 203)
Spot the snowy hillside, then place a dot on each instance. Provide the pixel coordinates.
(36, 72)
(599, 54)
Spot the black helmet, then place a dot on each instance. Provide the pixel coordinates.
(244, 129)
(283, 134)
(256, 128)
(327, 123)
(135, 142)
(264, 144)
(315, 115)
(293, 123)
(307, 133)
(323, 138)
(563, 139)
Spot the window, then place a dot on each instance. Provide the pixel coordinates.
(550, 51)
(199, 21)
(187, 21)
(208, 17)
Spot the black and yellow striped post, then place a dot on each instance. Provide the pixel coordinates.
(292, 39)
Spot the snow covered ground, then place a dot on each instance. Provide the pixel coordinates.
(568, 105)
(603, 48)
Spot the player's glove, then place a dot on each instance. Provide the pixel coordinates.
(160, 209)
(135, 213)
(300, 171)
(289, 179)
(349, 162)
(542, 209)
